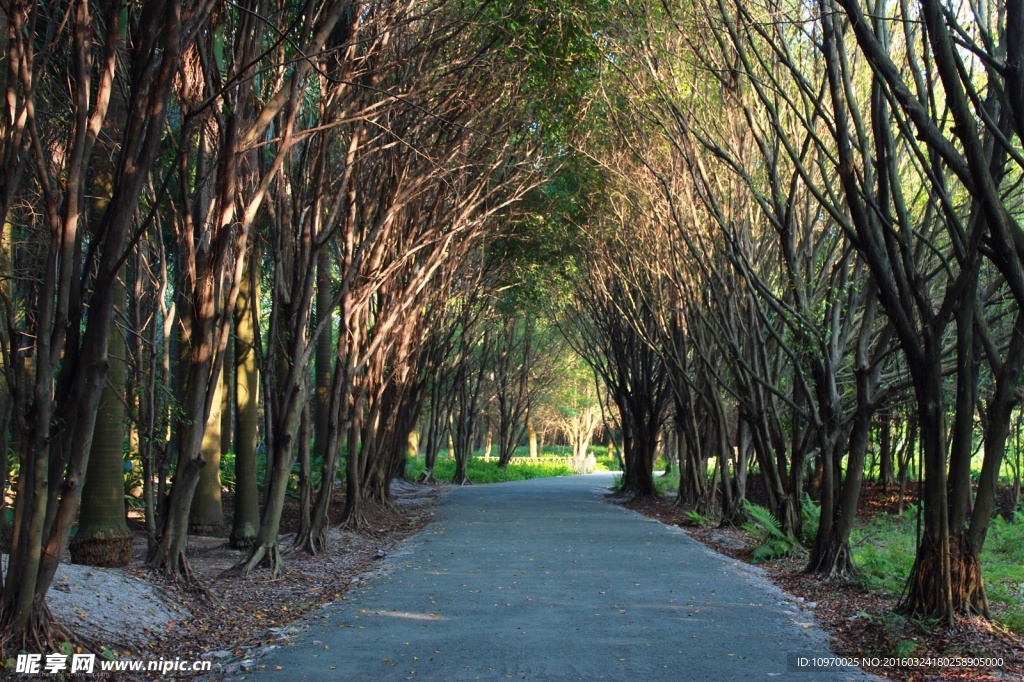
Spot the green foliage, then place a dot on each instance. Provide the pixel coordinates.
(229, 480)
(774, 543)
(905, 648)
(132, 481)
(695, 518)
(812, 519)
(546, 451)
(227, 471)
(1002, 566)
(667, 484)
(883, 551)
(605, 461)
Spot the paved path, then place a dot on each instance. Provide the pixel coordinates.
(545, 580)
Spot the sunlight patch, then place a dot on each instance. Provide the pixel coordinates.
(410, 616)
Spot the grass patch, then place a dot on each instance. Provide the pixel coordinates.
(1002, 567)
(605, 461)
(884, 549)
(488, 472)
(546, 451)
(666, 484)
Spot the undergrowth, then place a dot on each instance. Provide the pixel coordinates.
(774, 543)
(884, 550)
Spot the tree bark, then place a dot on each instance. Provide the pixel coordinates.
(103, 538)
(245, 523)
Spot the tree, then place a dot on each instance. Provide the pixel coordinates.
(103, 538)
(578, 417)
(623, 360)
(246, 512)
(76, 290)
(212, 235)
(513, 368)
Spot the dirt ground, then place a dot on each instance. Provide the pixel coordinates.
(860, 622)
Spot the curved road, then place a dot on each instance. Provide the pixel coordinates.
(545, 580)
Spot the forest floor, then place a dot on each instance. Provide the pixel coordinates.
(860, 621)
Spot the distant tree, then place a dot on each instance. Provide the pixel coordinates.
(620, 356)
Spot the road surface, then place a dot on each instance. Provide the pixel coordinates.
(546, 580)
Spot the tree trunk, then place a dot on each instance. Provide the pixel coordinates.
(288, 432)
(305, 475)
(887, 472)
(206, 516)
(435, 434)
(324, 360)
(247, 510)
(489, 438)
(906, 458)
(228, 401)
(831, 554)
(639, 435)
(103, 538)
(354, 518)
(930, 587)
(6, 371)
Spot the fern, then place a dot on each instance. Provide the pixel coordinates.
(812, 519)
(774, 543)
(762, 522)
(694, 518)
(773, 548)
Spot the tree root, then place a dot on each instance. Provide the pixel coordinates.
(925, 592)
(102, 550)
(834, 562)
(354, 521)
(42, 634)
(367, 516)
(174, 565)
(264, 555)
(241, 541)
(313, 541)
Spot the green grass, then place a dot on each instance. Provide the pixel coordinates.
(884, 549)
(666, 484)
(488, 472)
(1002, 567)
(546, 451)
(605, 461)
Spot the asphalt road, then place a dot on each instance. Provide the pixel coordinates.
(546, 580)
